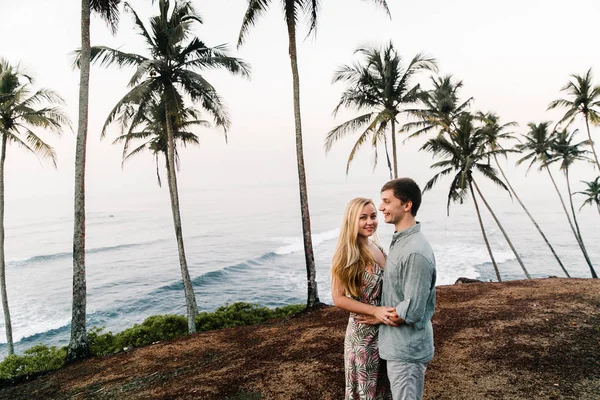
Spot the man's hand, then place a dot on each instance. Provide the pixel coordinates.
(366, 320)
(370, 320)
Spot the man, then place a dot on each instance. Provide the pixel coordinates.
(406, 342)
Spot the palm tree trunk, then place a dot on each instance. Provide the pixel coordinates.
(394, 156)
(387, 156)
(190, 298)
(587, 125)
(78, 344)
(530, 217)
(485, 239)
(562, 202)
(7, 323)
(313, 296)
(502, 230)
(594, 275)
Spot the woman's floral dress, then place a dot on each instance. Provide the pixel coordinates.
(366, 377)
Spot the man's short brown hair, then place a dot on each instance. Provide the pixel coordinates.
(405, 189)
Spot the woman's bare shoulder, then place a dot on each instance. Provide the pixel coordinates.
(378, 254)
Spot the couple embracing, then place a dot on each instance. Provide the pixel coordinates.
(391, 298)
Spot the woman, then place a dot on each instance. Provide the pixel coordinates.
(357, 272)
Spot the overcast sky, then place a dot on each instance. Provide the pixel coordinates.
(513, 56)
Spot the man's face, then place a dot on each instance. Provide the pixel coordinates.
(393, 209)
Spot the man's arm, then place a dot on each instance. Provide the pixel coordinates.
(416, 285)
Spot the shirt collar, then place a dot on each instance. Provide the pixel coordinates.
(407, 232)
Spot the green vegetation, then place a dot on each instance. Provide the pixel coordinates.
(239, 314)
(153, 329)
(37, 359)
(156, 328)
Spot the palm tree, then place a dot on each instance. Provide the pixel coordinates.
(565, 151)
(109, 11)
(169, 74)
(592, 192)
(441, 108)
(153, 135)
(463, 153)
(494, 132)
(20, 115)
(584, 100)
(538, 144)
(292, 10)
(380, 85)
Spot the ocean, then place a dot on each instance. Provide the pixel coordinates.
(243, 243)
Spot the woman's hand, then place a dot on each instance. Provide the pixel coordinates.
(383, 314)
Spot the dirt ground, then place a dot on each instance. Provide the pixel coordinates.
(537, 339)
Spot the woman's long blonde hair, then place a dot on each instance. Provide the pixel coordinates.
(351, 256)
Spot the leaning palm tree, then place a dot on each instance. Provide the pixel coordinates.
(20, 117)
(584, 99)
(566, 152)
(494, 132)
(292, 10)
(463, 153)
(109, 11)
(171, 73)
(537, 145)
(381, 86)
(592, 192)
(441, 107)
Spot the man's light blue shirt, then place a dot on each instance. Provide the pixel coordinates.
(409, 286)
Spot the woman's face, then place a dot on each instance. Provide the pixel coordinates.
(367, 221)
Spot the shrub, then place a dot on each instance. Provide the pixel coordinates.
(101, 344)
(37, 359)
(240, 314)
(153, 329)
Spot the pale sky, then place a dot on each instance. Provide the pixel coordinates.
(513, 57)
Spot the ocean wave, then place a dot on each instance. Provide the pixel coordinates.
(59, 329)
(295, 245)
(220, 274)
(55, 256)
(454, 260)
(500, 257)
(40, 334)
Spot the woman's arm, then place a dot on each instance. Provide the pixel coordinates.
(345, 303)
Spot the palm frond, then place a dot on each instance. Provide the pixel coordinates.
(431, 183)
(106, 56)
(256, 9)
(108, 10)
(234, 65)
(345, 128)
